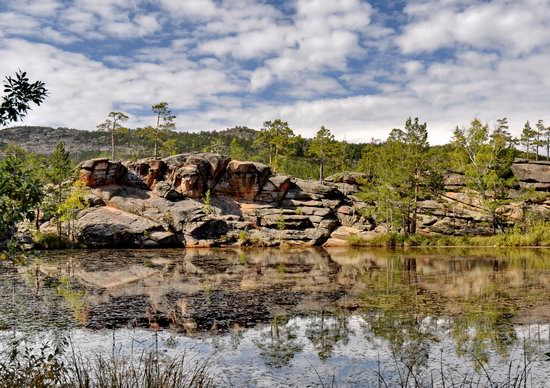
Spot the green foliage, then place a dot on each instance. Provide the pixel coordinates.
(536, 235)
(58, 174)
(485, 160)
(49, 241)
(19, 94)
(68, 210)
(402, 172)
(278, 138)
(20, 193)
(236, 151)
(59, 364)
(243, 237)
(112, 124)
(281, 225)
(169, 147)
(208, 202)
(324, 149)
(60, 166)
(165, 124)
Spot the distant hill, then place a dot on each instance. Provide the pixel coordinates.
(85, 144)
(42, 140)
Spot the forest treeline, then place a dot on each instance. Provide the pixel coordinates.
(400, 171)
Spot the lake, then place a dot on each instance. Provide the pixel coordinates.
(307, 317)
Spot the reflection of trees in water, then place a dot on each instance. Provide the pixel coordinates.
(405, 302)
(280, 343)
(326, 331)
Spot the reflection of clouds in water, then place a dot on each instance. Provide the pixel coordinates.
(232, 289)
(352, 362)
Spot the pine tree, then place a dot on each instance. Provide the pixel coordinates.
(485, 160)
(278, 137)
(112, 124)
(527, 137)
(323, 148)
(58, 172)
(539, 133)
(165, 123)
(236, 151)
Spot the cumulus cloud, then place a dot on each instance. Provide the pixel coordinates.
(351, 65)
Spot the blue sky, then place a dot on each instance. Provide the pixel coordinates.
(358, 67)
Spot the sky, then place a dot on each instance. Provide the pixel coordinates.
(359, 68)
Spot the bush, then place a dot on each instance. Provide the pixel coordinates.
(50, 241)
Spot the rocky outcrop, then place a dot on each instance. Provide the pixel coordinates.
(532, 174)
(204, 200)
(163, 202)
(101, 172)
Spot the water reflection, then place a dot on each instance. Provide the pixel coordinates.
(483, 306)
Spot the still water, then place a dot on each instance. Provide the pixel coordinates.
(297, 317)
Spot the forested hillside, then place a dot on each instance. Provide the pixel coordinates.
(239, 143)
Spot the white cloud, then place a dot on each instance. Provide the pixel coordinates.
(337, 63)
(510, 26)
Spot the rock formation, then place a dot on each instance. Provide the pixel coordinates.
(163, 202)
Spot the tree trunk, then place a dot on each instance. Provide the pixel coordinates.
(113, 151)
(414, 210)
(321, 172)
(37, 220)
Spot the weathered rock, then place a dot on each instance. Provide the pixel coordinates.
(207, 233)
(453, 180)
(108, 227)
(149, 171)
(532, 174)
(166, 190)
(101, 172)
(218, 164)
(242, 180)
(301, 189)
(172, 216)
(348, 177)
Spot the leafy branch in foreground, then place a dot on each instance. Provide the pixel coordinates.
(20, 93)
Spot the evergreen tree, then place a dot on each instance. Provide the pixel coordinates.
(402, 175)
(236, 151)
(323, 148)
(112, 124)
(538, 141)
(169, 147)
(526, 138)
(278, 137)
(547, 142)
(58, 173)
(165, 123)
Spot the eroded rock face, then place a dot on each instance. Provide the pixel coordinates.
(149, 171)
(532, 174)
(161, 202)
(242, 180)
(101, 172)
(104, 227)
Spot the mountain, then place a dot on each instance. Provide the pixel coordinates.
(88, 144)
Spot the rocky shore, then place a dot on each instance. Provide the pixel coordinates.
(208, 200)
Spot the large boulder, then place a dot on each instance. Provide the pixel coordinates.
(172, 216)
(302, 189)
(532, 174)
(242, 180)
(193, 174)
(148, 171)
(104, 227)
(101, 172)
